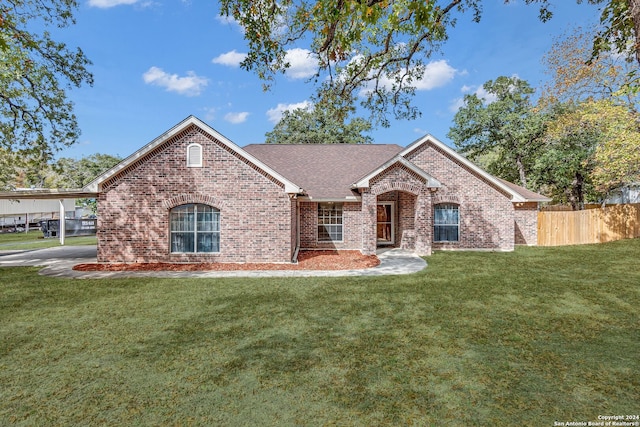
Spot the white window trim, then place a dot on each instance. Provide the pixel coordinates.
(191, 164)
(196, 231)
(318, 225)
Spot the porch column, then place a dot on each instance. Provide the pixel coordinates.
(423, 222)
(62, 227)
(369, 239)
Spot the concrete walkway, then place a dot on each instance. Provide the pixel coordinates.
(59, 261)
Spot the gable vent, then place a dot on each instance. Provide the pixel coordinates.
(194, 155)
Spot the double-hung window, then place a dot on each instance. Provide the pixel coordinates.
(329, 222)
(446, 223)
(195, 228)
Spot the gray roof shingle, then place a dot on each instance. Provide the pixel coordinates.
(324, 171)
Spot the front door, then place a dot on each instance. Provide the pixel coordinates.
(385, 223)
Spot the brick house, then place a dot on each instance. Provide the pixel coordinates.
(192, 195)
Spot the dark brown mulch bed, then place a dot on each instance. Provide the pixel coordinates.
(307, 260)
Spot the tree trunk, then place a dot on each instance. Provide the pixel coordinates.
(577, 192)
(521, 172)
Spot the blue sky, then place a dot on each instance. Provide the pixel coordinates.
(157, 62)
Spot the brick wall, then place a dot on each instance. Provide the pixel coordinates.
(133, 212)
(526, 223)
(413, 217)
(351, 228)
(486, 214)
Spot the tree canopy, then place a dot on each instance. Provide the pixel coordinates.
(72, 173)
(563, 165)
(576, 77)
(505, 126)
(593, 130)
(376, 50)
(617, 156)
(318, 124)
(376, 46)
(35, 113)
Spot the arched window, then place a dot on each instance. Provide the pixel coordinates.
(195, 228)
(446, 223)
(194, 155)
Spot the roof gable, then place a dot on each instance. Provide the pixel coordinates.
(517, 193)
(95, 185)
(430, 181)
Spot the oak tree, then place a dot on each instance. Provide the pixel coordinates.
(506, 126)
(374, 48)
(36, 115)
(617, 156)
(563, 167)
(576, 77)
(319, 124)
(376, 51)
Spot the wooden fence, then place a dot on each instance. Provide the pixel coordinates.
(613, 222)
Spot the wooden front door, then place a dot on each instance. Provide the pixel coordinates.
(385, 223)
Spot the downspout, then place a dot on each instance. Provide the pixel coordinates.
(294, 260)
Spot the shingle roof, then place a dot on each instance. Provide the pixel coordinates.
(529, 195)
(324, 171)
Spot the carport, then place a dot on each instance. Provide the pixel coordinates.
(50, 194)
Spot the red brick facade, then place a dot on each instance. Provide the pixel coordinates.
(526, 224)
(264, 217)
(486, 213)
(255, 213)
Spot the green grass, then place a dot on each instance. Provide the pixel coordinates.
(34, 240)
(524, 338)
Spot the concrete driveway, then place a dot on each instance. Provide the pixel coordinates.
(59, 261)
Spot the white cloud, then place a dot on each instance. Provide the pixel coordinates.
(275, 114)
(236, 118)
(302, 63)
(480, 92)
(436, 74)
(230, 59)
(106, 4)
(190, 85)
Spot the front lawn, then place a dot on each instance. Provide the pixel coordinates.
(533, 337)
(34, 240)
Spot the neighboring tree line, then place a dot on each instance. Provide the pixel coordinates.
(581, 138)
(63, 173)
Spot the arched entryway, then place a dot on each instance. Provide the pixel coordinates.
(397, 207)
(395, 219)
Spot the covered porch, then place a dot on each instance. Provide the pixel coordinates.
(397, 208)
